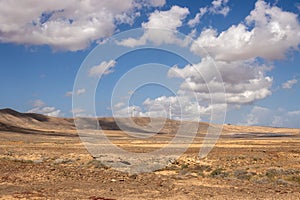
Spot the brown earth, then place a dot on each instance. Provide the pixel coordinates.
(43, 158)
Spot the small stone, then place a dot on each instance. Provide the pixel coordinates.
(62, 161)
(58, 161)
(125, 162)
(38, 161)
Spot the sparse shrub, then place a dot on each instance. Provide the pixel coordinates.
(184, 166)
(9, 153)
(257, 158)
(216, 172)
(22, 160)
(242, 157)
(271, 173)
(97, 164)
(295, 179)
(242, 174)
(200, 173)
(282, 182)
(199, 169)
(219, 173)
(183, 172)
(291, 171)
(262, 180)
(206, 168)
(169, 167)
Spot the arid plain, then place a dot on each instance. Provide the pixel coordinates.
(43, 158)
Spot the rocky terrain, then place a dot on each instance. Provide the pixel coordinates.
(43, 158)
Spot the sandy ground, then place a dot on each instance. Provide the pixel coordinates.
(57, 166)
(43, 158)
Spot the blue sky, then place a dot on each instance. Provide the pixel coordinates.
(254, 45)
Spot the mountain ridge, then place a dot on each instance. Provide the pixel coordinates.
(11, 120)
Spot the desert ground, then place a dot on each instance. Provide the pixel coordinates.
(43, 158)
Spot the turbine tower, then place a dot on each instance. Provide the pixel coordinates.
(170, 111)
(133, 111)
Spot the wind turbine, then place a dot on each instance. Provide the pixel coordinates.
(170, 110)
(134, 108)
(133, 111)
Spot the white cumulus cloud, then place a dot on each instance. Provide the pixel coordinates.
(244, 81)
(219, 7)
(157, 3)
(196, 20)
(38, 103)
(272, 117)
(65, 25)
(40, 107)
(268, 32)
(103, 68)
(78, 92)
(155, 27)
(289, 84)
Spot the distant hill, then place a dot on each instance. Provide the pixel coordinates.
(11, 120)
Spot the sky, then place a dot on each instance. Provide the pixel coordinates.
(222, 61)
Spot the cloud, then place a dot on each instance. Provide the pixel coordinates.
(294, 113)
(268, 32)
(289, 84)
(119, 105)
(79, 112)
(40, 107)
(298, 6)
(129, 111)
(126, 18)
(103, 68)
(219, 7)
(244, 81)
(269, 117)
(65, 25)
(78, 92)
(193, 22)
(170, 19)
(258, 116)
(183, 107)
(158, 22)
(38, 103)
(157, 3)
(69, 93)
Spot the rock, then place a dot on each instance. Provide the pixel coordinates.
(125, 162)
(38, 161)
(58, 161)
(62, 161)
